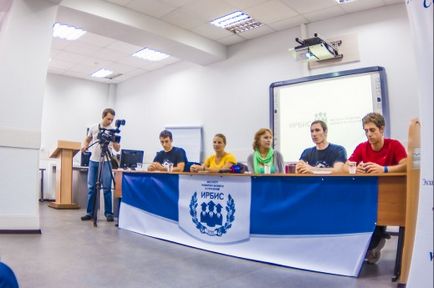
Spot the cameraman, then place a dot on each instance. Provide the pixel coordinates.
(106, 182)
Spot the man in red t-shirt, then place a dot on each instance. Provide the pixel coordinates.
(377, 155)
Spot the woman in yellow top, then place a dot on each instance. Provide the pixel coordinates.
(221, 160)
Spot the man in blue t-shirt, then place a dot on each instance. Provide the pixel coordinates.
(170, 156)
(323, 154)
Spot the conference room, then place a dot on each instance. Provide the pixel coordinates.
(218, 75)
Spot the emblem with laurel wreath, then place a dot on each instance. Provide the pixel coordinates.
(230, 217)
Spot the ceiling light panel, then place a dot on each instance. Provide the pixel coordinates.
(344, 1)
(236, 22)
(67, 32)
(101, 73)
(230, 19)
(151, 55)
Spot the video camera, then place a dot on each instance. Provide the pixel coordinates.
(105, 136)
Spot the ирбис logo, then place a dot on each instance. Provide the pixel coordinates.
(211, 220)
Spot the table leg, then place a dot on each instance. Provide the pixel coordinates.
(397, 270)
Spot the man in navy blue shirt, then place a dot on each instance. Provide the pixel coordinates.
(323, 154)
(170, 156)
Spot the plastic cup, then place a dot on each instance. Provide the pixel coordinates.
(267, 169)
(290, 167)
(352, 167)
(169, 167)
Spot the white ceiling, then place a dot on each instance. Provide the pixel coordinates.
(180, 28)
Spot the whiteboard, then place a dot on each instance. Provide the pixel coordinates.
(340, 99)
(190, 139)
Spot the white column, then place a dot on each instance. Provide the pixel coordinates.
(25, 41)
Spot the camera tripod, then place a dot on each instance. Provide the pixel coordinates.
(105, 156)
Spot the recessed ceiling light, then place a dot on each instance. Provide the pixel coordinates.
(67, 32)
(236, 22)
(149, 54)
(230, 20)
(344, 1)
(101, 73)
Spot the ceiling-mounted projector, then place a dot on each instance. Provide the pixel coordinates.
(315, 48)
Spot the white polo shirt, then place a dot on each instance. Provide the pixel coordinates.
(96, 149)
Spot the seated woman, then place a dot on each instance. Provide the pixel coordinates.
(220, 161)
(264, 159)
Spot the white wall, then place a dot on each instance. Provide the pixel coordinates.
(232, 96)
(25, 37)
(70, 105)
(384, 40)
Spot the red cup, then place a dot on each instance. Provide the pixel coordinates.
(290, 168)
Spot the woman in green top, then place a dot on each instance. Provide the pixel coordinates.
(264, 159)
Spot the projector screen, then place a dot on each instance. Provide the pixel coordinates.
(340, 99)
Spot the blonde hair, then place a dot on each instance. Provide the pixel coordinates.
(258, 135)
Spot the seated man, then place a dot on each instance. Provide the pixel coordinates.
(323, 154)
(377, 155)
(170, 155)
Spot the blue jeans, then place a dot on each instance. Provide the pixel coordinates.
(106, 185)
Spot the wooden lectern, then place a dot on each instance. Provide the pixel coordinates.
(64, 151)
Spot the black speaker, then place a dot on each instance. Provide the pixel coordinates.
(85, 157)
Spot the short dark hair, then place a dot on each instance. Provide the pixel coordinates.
(108, 111)
(165, 134)
(220, 135)
(322, 123)
(375, 118)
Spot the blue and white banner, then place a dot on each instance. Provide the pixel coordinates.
(315, 223)
(215, 209)
(420, 14)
